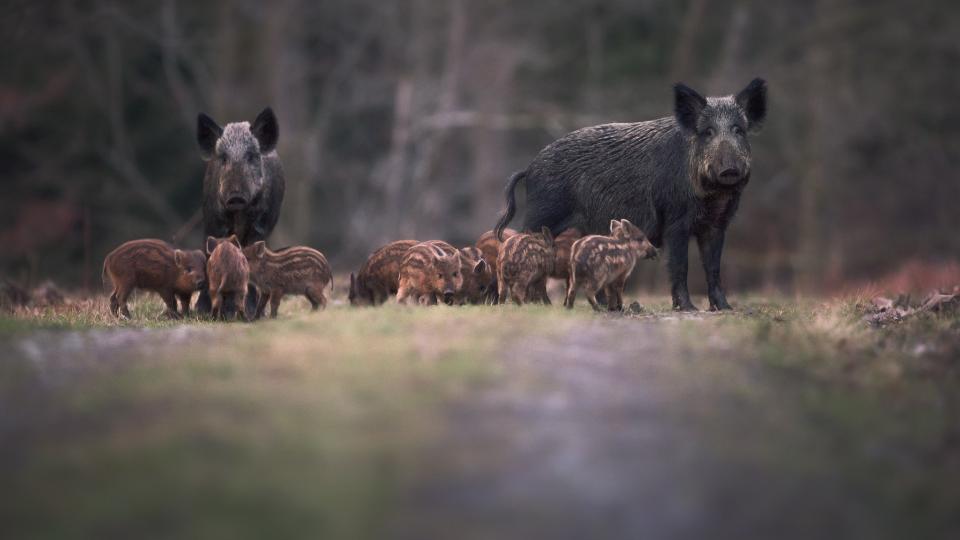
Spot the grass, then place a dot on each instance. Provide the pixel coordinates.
(318, 421)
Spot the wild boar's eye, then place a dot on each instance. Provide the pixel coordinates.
(455, 274)
(709, 133)
(737, 130)
(251, 157)
(439, 276)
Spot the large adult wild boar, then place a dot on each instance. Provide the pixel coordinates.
(243, 184)
(675, 178)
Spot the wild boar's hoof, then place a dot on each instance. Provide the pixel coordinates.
(685, 306)
(721, 305)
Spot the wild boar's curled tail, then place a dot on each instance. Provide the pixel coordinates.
(511, 203)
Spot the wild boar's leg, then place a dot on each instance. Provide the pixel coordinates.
(710, 242)
(678, 241)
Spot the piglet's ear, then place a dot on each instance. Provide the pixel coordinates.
(259, 248)
(753, 101)
(233, 240)
(480, 266)
(178, 257)
(614, 225)
(210, 245)
(208, 132)
(547, 235)
(687, 106)
(267, 131)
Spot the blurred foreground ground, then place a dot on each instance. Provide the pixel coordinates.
(782, 420)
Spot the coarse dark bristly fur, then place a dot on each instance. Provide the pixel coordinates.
(603, 263)
(525, 262)
(676, 177)
(154, 265)
(228, 275)
(379, 277)
(428, 273)
(292, 270)
(243, 183)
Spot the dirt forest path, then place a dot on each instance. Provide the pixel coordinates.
(618, 429)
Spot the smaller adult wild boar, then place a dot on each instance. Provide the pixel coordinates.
(228, 274)
(564, 242)
(489, 246)
(154, 265)
(525, 262)
(293, 270)
(378, 278)
(603, 263)
(477, 276)
(428, 273)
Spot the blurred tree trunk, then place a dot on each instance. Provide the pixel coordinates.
(681, 63)
(811, 250)
(431, 203)
(497, 66)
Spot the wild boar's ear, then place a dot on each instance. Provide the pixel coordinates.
(208, 132)
(753, 101)
(235, 241)
(687, 106)
(614, 225)
(266, 130)
(210, 245)
(480, 266)
(178, 257)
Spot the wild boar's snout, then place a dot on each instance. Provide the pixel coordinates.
(731, 166)
(235, 189)
(448, 296)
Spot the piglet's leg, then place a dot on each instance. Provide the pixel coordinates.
(185, 304)
(275, 298)
(263, 298)
(171, 301)
(123, 293)
(240, 299)
(317, 300)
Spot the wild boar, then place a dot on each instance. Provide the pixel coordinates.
(477, 276)
(293, 270)
(524, 263)
(154, 265)
(379, 277)
(228, 275)
(243, 184)
(605, 262)
(564, 242)
(428, 273)
(489, 245)
(675, 177)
